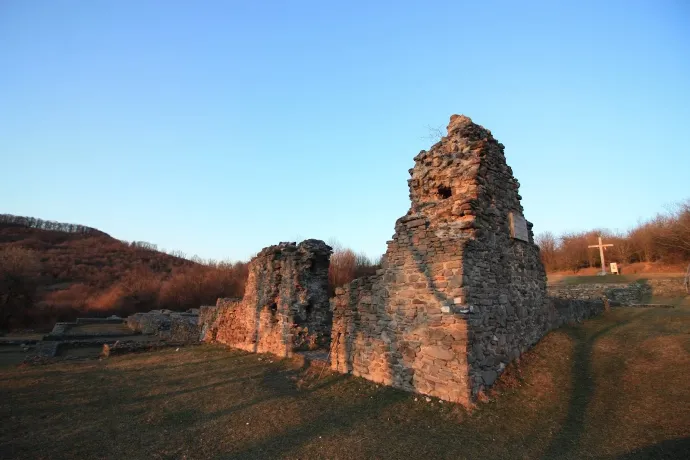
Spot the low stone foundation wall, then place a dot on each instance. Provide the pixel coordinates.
(61, 328)
(567, 311)
(668, 287)
(634, 293)
(77, 329)
(125, 346)
(184, 329)
(148, 323)
(622, 293)
(167, 324)
(109, 320)
(208, 319)
(136, 331)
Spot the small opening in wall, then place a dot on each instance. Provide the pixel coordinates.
(308, 308)
(273, 308)
(444, 192)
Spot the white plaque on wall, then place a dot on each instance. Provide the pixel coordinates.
(518, 227)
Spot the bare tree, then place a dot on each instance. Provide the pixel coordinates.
(623, 248)
(434, 134)
(33, 222)
(342, 267)
(675, 228)
(19, 269)
(548, 245)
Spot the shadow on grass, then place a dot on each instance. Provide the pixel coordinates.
(279, 388)
(279, 383)
(210, 386)
(187, 365)
(567, 441)
(328, 422)
(669, 449)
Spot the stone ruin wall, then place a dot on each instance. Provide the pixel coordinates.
(638, 292)
(285, 306)
(615, 293)
(167, 324)
(564, 311)
(457, 297)
(461, 292)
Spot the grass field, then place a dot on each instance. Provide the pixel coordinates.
(617, 386)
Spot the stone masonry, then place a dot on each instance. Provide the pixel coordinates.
(615, 293)
(167, 324)
(462, 290)
(285, 305)
(639, 292)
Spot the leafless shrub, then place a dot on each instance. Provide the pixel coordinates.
(664, 238)
(548, 245)
(347, 265)
(434, 133)
(19, 269)
(33, 222)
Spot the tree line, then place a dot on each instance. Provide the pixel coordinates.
(102, 277)
(34, 222)
(144, 281)
(663, 239)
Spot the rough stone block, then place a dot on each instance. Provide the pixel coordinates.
(452, 261)
(285, 306)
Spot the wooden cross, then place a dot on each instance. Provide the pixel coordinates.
(601, 247)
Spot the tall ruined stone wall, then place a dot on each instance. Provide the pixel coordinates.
(285, 305)
(503, 279)
(458, 296)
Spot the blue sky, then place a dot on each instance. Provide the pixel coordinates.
(217, 128)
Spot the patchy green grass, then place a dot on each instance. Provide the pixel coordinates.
(672, 301)
(617, 386)
(556, 279)
(598, 279)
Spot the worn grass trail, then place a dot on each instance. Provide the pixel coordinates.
(617, 386)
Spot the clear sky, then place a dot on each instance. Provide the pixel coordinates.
(217, 128)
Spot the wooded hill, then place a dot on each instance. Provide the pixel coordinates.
(54, 271)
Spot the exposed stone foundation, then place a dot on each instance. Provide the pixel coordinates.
(570, 311)
(462, 291)
(638, 292)
(668, 287)
(285, 306)
(617, 293)
(167, 324)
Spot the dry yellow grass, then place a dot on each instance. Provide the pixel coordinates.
(614, 387)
